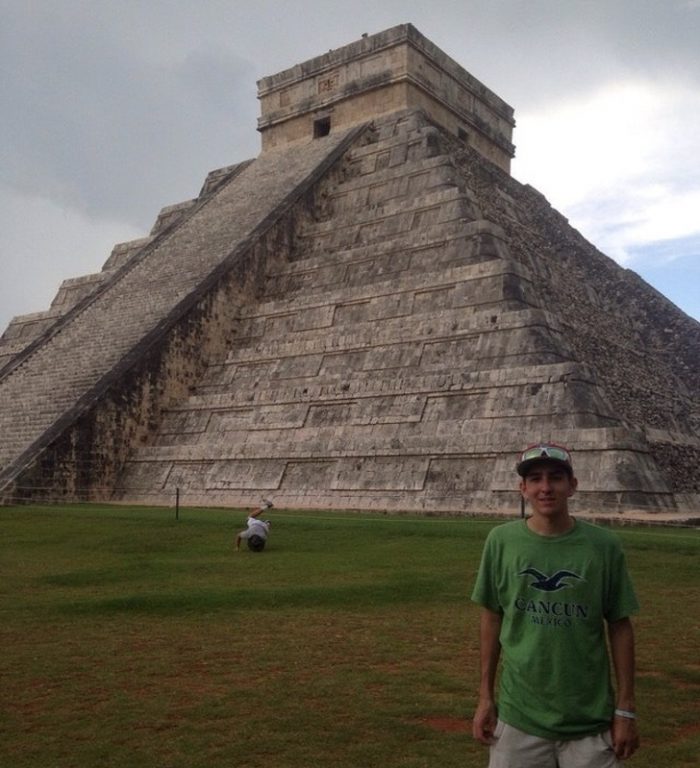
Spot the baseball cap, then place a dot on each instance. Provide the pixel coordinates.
(551, 452)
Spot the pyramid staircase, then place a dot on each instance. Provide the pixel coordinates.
(95, 378)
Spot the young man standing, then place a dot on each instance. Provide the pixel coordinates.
(548, 587)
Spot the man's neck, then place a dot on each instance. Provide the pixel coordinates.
(551, 525)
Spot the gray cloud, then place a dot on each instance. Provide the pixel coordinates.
(114, 109)
(99, 127)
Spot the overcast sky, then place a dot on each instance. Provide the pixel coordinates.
(113, 109)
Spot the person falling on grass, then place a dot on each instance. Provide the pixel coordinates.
(548, 586)
(256, 531)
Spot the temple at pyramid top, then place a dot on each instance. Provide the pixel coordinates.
(379, 74)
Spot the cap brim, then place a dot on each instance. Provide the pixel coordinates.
(524, 466)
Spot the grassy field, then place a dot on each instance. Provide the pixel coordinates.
(132, 640)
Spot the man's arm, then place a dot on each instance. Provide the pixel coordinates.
(484, 723)
(624, 728)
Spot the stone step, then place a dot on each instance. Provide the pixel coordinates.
(436, 224)
(431, 438)
(171, 215)
(357, 265)
(480, 233)
(378, 226)
(430, 194)
(455, 464)
(183, 427)
(347, 384)
(408, 183)
(122, 253)
(432, 339)
(474, 286)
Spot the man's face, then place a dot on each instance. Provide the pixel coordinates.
(548, 488)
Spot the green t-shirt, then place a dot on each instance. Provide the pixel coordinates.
(555, 594)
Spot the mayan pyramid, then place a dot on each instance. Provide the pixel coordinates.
(371, 314)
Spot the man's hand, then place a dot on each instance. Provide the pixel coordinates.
(484, 723)
(625, 737)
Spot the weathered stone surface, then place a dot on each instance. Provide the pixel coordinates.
(377, 319)
(416, 343)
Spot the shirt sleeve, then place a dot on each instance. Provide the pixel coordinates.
(485, 592)
(621, 598)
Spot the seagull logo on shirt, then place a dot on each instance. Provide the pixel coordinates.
(549, 583)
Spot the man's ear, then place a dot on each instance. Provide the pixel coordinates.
(521, 486)
(574, 486)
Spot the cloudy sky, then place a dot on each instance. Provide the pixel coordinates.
(112, 109)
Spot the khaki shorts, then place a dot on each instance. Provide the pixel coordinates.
(515, 749)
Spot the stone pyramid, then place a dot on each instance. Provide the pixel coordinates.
(372, 314)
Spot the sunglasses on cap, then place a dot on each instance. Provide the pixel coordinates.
(541, 451)
(546, 452)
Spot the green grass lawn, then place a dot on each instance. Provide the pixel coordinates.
(130, 639)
